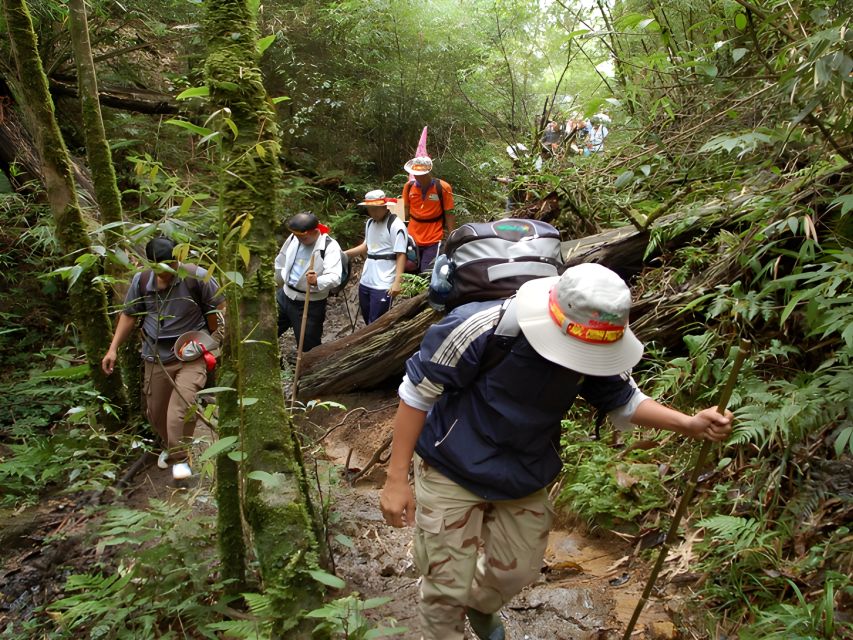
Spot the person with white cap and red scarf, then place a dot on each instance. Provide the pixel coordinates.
(485, 436)
(384, 247)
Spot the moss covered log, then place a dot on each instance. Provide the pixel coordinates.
(87, 298)
(278, 508)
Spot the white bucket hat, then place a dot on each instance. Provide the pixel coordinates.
(418, 166)
(580, 320)
(376, 198)
(188, 346)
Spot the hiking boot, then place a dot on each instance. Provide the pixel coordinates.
(487, 626)
(181, 471)
(163, 460)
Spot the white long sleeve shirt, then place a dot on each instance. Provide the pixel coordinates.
(327, 266)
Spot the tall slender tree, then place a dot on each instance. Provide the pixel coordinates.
(88, 300)
(100, 159)
(278, 507)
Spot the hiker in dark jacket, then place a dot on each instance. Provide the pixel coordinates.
(485, 435)
(172, 299)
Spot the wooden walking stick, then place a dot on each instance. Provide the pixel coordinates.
(301, 336)
(672, 534)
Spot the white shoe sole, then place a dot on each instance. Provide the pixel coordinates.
(181, 471)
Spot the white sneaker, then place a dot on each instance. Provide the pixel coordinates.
(181, 471)
(162, 460)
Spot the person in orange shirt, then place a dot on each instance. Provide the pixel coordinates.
(428, 203)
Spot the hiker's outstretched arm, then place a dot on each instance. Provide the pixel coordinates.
(360, 250)
(124, 327)
(704, 425)
(449, 221)
(397, 501)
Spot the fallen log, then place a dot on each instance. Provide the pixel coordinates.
(123, 98)
(369, 356)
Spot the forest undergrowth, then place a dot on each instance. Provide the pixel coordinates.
(731, 150)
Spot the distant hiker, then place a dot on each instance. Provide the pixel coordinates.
(482, 419)
(307, 238)
(596, 133)
(171, 299)
(552, 137)
(384, 245)
(575, 133)
(428, 203)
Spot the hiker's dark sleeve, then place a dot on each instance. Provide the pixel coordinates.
(617, 396)
(449, 357)
(134, 305)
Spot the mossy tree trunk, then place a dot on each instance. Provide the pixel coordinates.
(277, 503)
(103, 176)
(87, 297)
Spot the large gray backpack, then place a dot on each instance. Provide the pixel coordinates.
(491, 260)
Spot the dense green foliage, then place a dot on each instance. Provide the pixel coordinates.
(731, 118)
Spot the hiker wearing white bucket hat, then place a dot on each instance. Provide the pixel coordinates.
(480, 411)
(384, 248)
(428, 206)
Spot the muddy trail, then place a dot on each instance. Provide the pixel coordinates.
(588, 587)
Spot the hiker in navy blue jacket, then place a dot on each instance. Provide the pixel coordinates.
(483, 424)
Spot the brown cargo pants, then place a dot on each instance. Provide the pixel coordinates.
(166, 408)
(471, 552)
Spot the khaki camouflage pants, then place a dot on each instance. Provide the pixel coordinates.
(470, 552)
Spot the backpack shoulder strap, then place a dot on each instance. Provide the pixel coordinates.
(194, 285)
(144, 277)
(439, 190)
(500, 342)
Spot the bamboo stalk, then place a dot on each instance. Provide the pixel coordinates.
(725, 395)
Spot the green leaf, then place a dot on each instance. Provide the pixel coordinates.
(189, 126)
(844, 440)
(265, 42)
(244, 253)
(220, 446)
(739, 53)
(280, 99)
(345, 540)
(265, 478)
(235, 276)
(237, 456)
(217, 390)
(846, 203)
(248, 402)
(79, 371)
(327, 579)
(195, 92)
(741, 21)
(709, 70)
(624, 178)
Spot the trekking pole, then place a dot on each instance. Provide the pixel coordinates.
(301, 337)
(725, 395)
